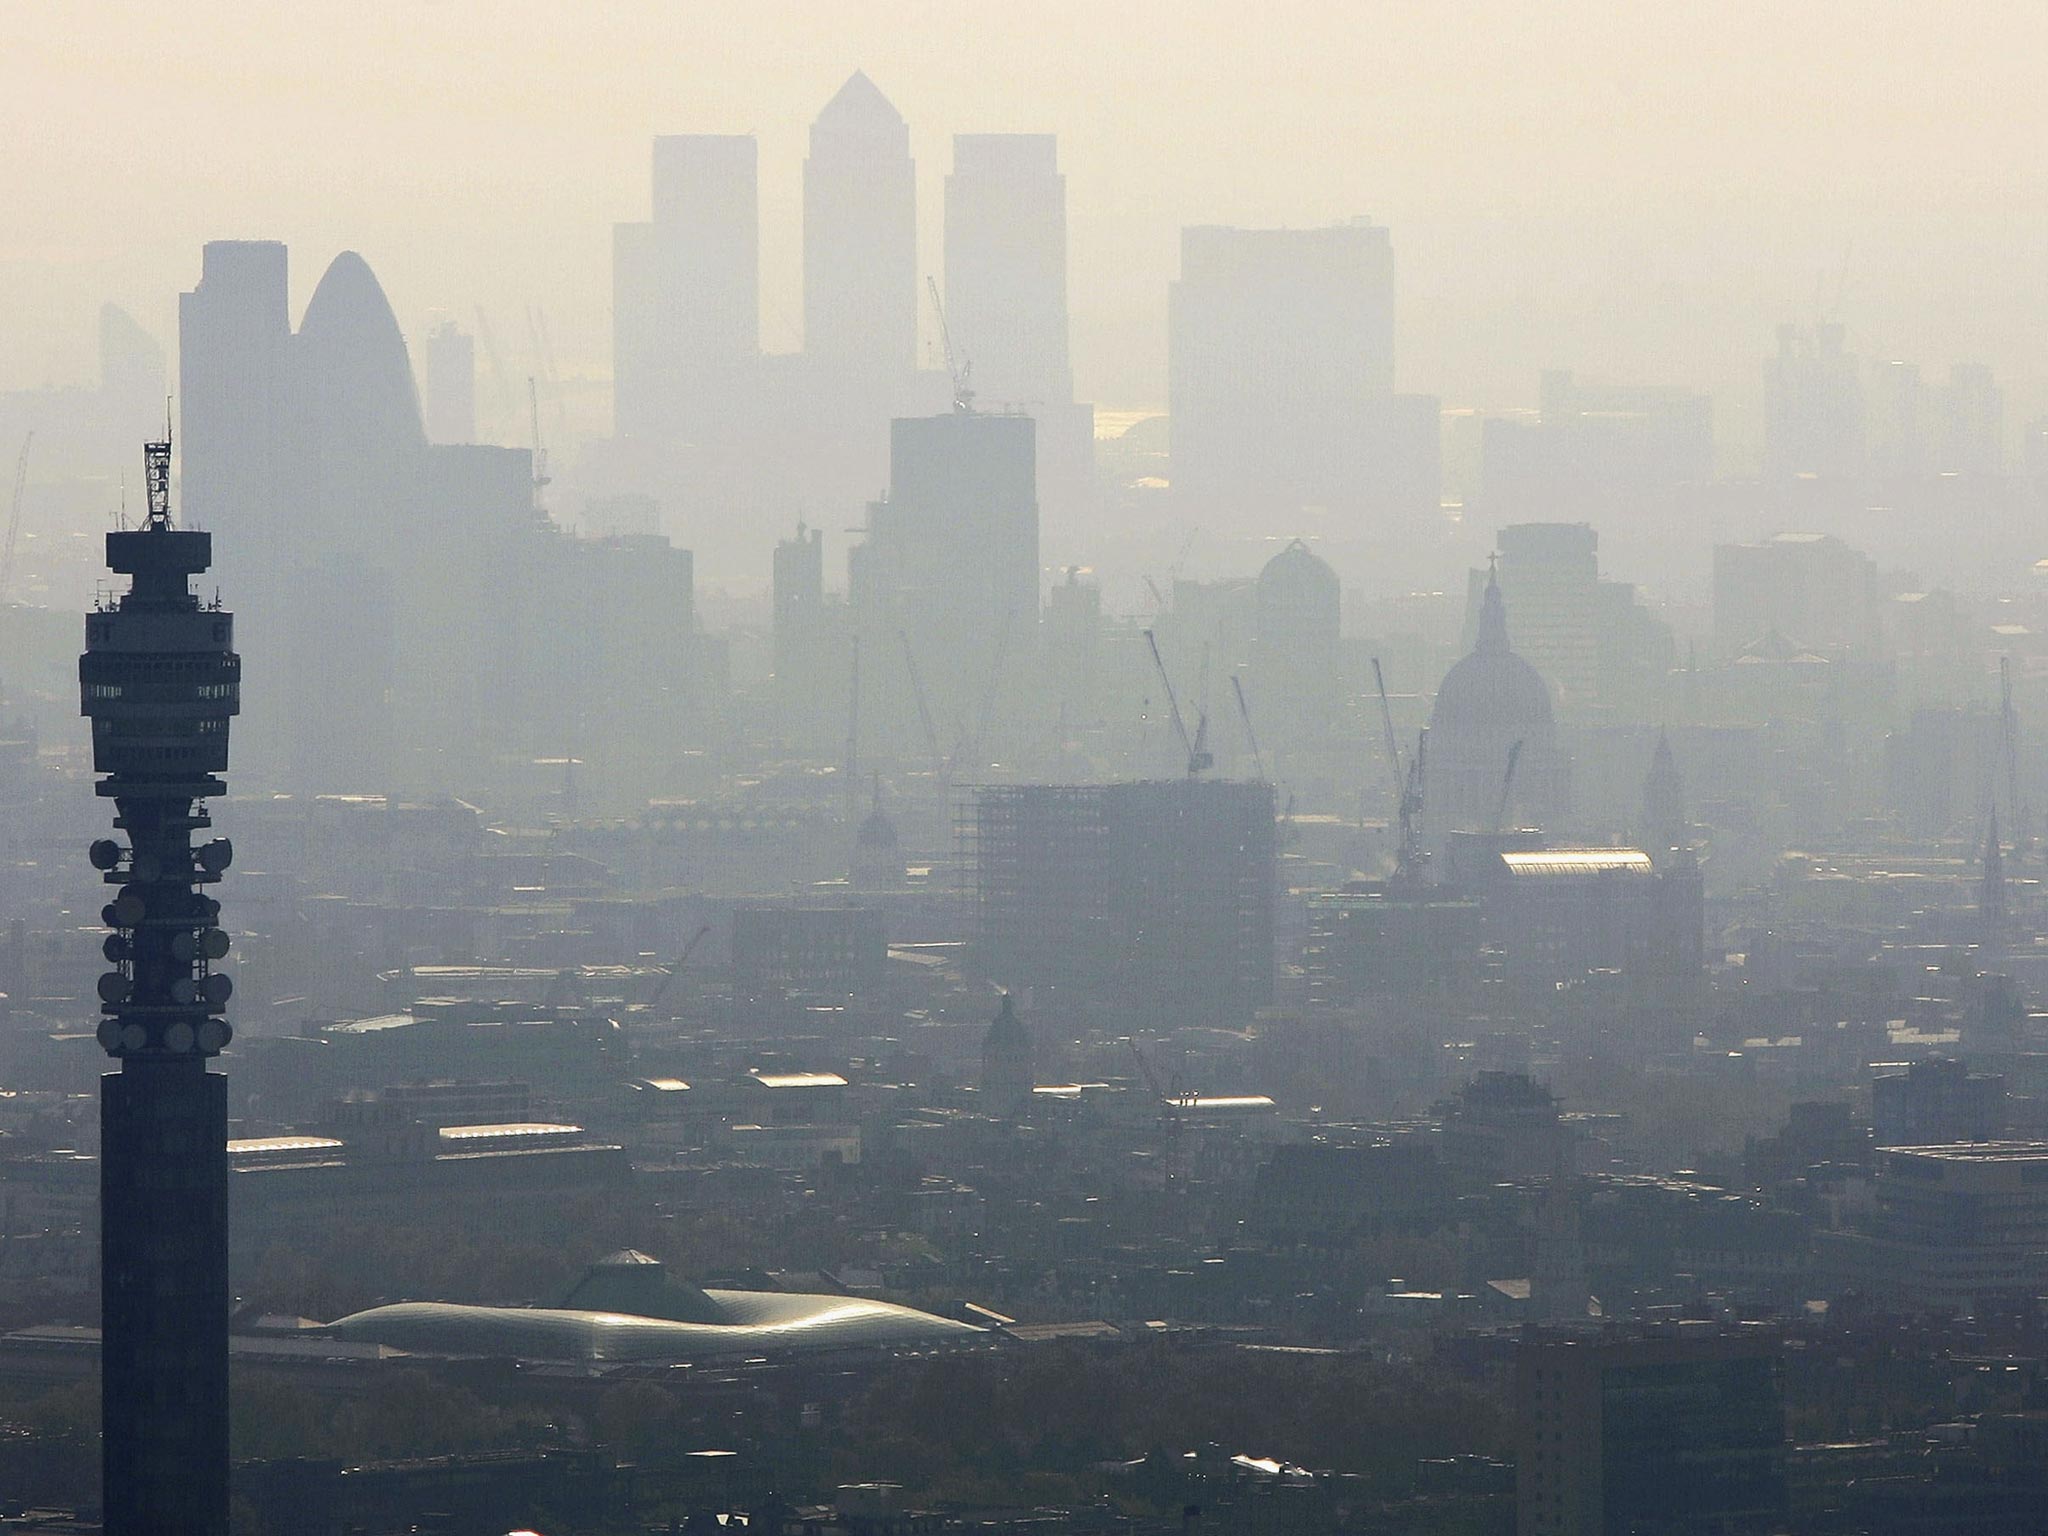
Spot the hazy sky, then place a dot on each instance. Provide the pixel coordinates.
(1635, 190)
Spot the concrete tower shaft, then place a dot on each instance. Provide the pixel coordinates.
(160, 681)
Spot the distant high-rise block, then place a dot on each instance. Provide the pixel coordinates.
(686, 299)
(1970, 423)
(1550, 578)
(351, 366)
(1295, 670)
(799, 592)
(1806, 589)
(812, 664)
(1280, 367)
(131, 364)
(708, 247)
(1006, 267)
(1595, 448)
(1006, 303)
(950, 564)
(1157, 894)
(860, 237)
(355, 423)
(1937, 1101)
(234, 329)
(451, 384)
(1918, 428)
(1813, 405)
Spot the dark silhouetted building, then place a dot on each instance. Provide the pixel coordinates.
(1938, 1101)
(1391, 941)
(1678, 1432)
(877, 862)
(160, 682)
(1560, 913)
(1158, 894)
(1503, 1126)
(808, 951)
(1009, 1061)
(1949, 1227)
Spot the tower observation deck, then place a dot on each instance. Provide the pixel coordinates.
(160, 681)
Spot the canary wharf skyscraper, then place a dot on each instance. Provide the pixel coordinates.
(160, 681)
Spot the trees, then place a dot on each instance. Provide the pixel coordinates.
(945, 1427)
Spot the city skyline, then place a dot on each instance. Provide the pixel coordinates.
(1678, 225)
(1158, 770)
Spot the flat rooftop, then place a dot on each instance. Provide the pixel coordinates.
(1976, 1152)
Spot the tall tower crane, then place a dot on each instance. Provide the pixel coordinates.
(924, 710)
(669, 973)
(961, 372)
(2008, 730)
(540, 452)
(1507, 787)
(14, 517)
(1408, 785)
(1197, 747)
(1244, 713)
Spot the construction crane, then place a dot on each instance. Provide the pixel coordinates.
(14, 517)
(1407, 786)
(1196, 747)
(2008, 728)
(1417, 794)
(1173, 1100)
(540, 452)
(1507, 787)
(960, 372)
(671, 972)
(1244, 713)
(924, 712)
(544, 356)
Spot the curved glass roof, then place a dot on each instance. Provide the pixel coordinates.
(756, 1322)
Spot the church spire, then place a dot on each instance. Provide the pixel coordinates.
(1664, 824)
(1493, 618)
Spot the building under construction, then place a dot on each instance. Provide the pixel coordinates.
(1155, 895)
